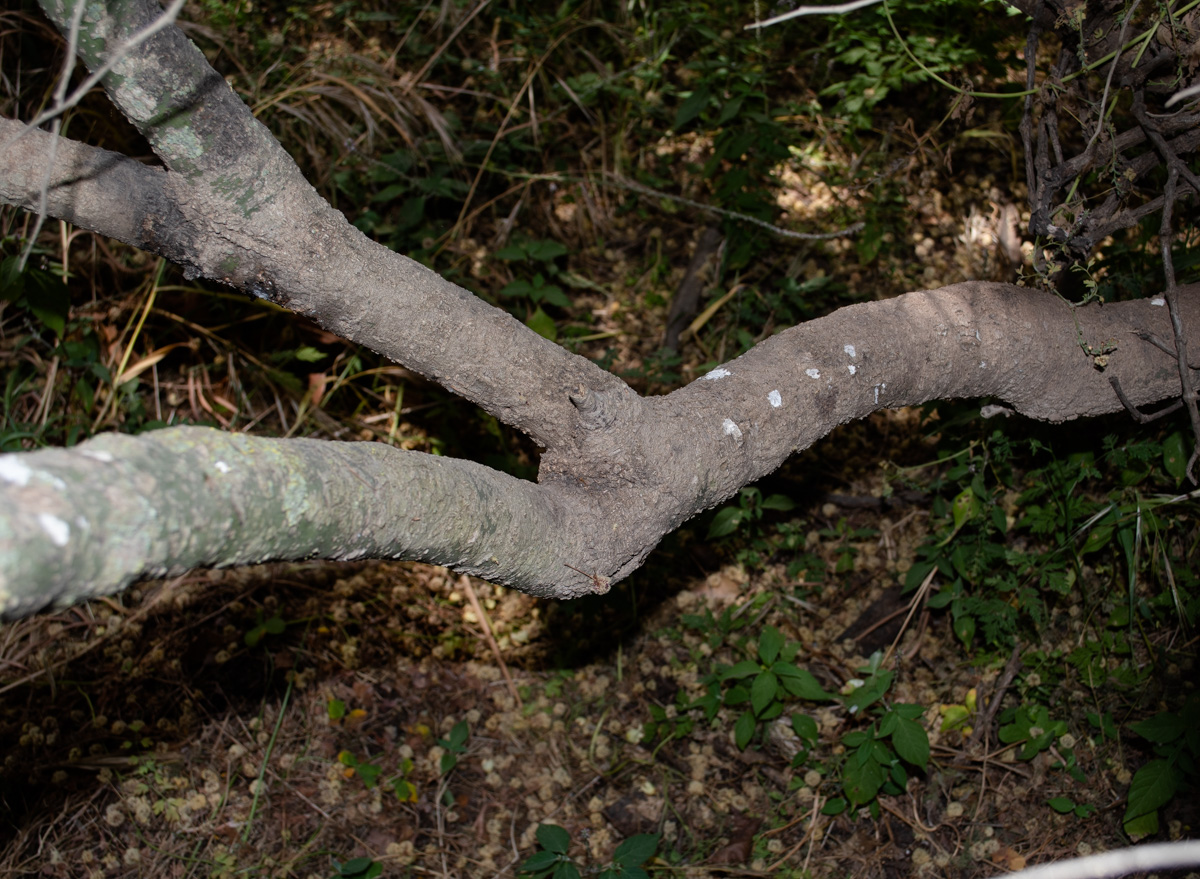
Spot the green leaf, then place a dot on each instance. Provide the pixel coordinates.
(12, 279)
(309, 354)
(553, 838)
(737, 695)
(916, 575)
(778, 502)
(566, 870)
(725, 522)
(1062, 805)
(411, 212)
(542, 324)
(336, 709)
(1175, 456)
(870, 692)
(836, 806)
(1161, 728)
(965, 508)
(805, 727)
(744, 730)
(730, 110)
(359, 868)
(369, 773)
(743, 669)
(800, 683)
(1142, 825)
(275, 625)
(636, 850)
(542, 860)
(763, 690)
(692, 106)
(546, 250)
(457, 738)
(511, 253)
(770, 642)
(48, 299)
(519, 287)
(911, 742)
(1153, 786)
(861, 780)
(553, 294)
(964, 628)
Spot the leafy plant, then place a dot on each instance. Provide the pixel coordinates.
(537, 288)
(1176, 740)
(764, 684)
(356, 868)
(1066, 806)
(455, 745)
(876, 757)
(553, 862)
(43, 293)
(1032, 726)
(992, 587)
(746, 512)
(370, 772)
(275, 625)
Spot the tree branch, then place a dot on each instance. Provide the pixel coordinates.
(78, 523)
(252, 221)
(87, 521)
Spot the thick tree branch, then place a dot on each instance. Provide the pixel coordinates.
(262, 228)
(92, 188)
(87, 521)
(619, 471)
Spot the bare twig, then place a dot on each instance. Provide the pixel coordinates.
(465, 583)
(1136, 414)
(1002, 684)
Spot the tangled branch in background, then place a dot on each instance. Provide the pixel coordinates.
(1078, 201)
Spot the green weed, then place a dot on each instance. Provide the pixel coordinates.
(552, 861)
(356, 868)
(1175, 768)
(536, 289)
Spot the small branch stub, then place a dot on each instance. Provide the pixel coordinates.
(600, 583)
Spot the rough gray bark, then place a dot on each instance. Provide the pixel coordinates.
(619, 471)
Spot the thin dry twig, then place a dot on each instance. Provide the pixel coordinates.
(465, 582)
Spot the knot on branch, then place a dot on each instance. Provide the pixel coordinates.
(596, 408)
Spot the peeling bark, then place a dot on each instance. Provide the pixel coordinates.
(619, 471)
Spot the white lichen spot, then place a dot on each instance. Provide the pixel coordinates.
(98, 455)
(1159, 301)
(853, 369)
(775, 399)
(13, 470)
(732, 430)
(882, 386)
(222, 466)
(849, 349)
(58, 530)
(983, 364)
(719, 372)
(977, 336)
(813, 373)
